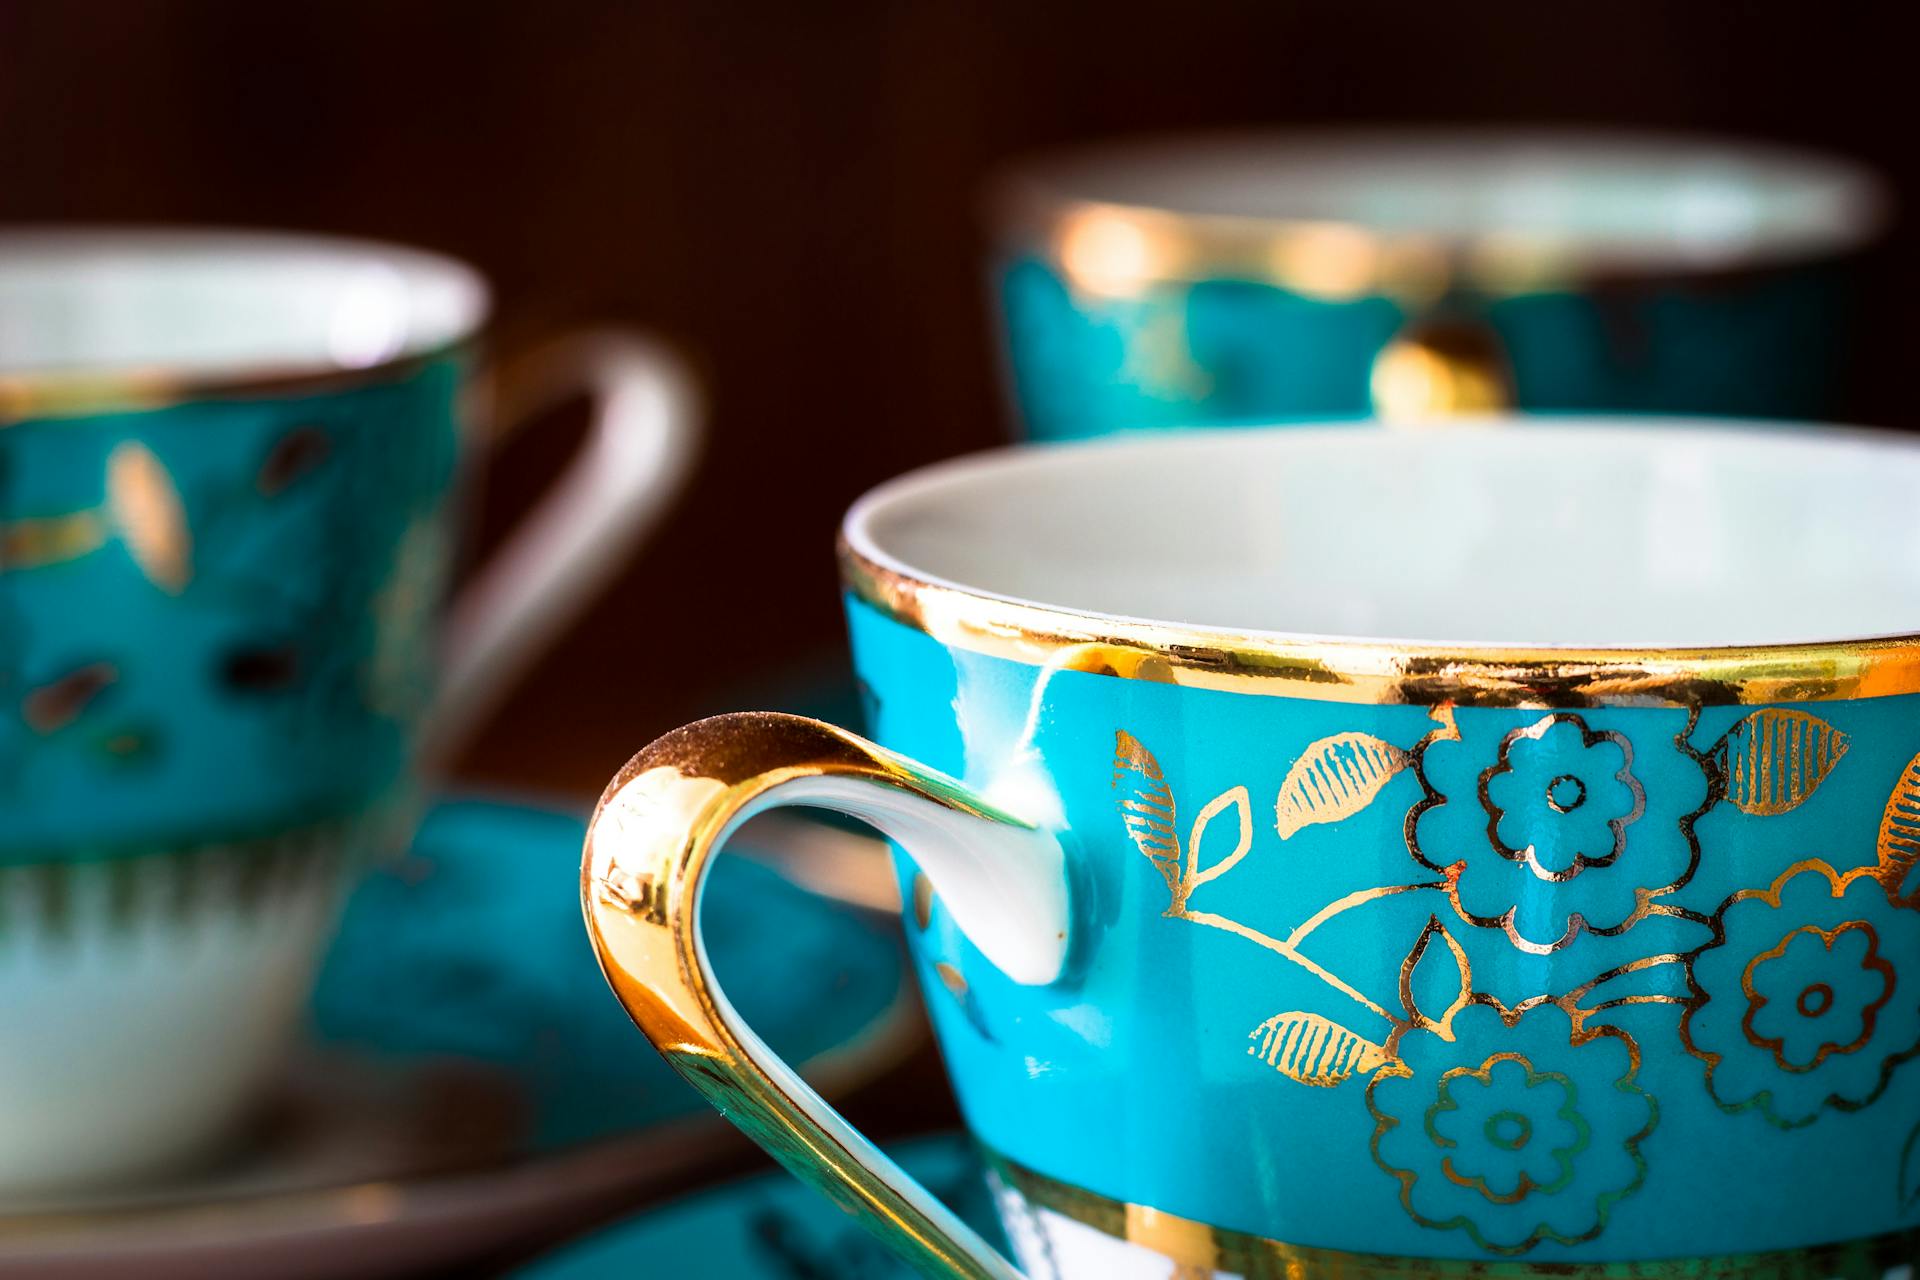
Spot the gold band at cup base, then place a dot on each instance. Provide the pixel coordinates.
(1365, 671)
(1199, 1249)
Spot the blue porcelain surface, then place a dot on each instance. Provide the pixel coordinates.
(470, 949)
(1591, 984)
(771, 1228)
(1765, 343)
(216, 616)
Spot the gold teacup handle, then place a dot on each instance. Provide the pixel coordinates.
(641, 877)
(1442, 365)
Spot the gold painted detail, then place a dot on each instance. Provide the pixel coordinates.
(1314, 1050)
(39, 397)
(922, 900)
(1335, 778)
(146, 510)
(142, 508)
(1485, 1109)
(1563, 795)
(1443, 1127)
(1898, 847)
(1356, 671)
(1147, 807)
(58, 703)
(1122, 251)
(1523, 793)
(1442, 367)
(33, 541)
(1793, 1007)
(1185, 1242)
(1773, 760)
(1816, 1000)
(647, 850)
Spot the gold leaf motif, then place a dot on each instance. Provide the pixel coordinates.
(1460, 980)
(1237, 799)
(1146, 805)
(1774, 759)
(951, 979)
(1335, 778)
(956, 984)
(147, 509)
(58, 704)
(922, 900)
(1313, 1050)
(1900, 828)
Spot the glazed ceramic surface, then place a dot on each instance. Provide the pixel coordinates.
(1225, 280)
(453, 1099)
(228, 476)
(768, 1228)
(1573, 931)
(240, 636)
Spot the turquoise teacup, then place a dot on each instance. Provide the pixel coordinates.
(1357, 853)
(228, 468)
(1252, 279)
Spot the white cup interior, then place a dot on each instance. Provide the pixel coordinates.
(1586, 534)
(1640, 199)
(212, 305)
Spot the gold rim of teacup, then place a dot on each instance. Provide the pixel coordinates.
(90, 390)
(1367, 670)
(40, 397)
(1121, 249)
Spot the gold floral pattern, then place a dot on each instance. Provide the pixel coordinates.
(1545, 856)
(1525, 1127)
(1519, 1119)
(1560, 797)
(1797, 1004)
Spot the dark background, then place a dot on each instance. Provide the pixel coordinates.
(791, 193)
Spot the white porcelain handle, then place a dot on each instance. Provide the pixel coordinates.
(637, 455)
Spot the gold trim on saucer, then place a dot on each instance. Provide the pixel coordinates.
(1204, 1249)
(1364, 671)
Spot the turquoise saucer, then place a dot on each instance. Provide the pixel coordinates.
(771, 1228)
(472, 949)
(469, 1088)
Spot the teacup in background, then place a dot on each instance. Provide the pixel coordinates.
(1251, 278)
(1575, 937)
(228, 478)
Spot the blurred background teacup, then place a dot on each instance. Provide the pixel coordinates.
(229, 483)
(1409, 273)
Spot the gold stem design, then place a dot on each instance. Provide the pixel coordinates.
(1354, 899)
(1285, 949)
